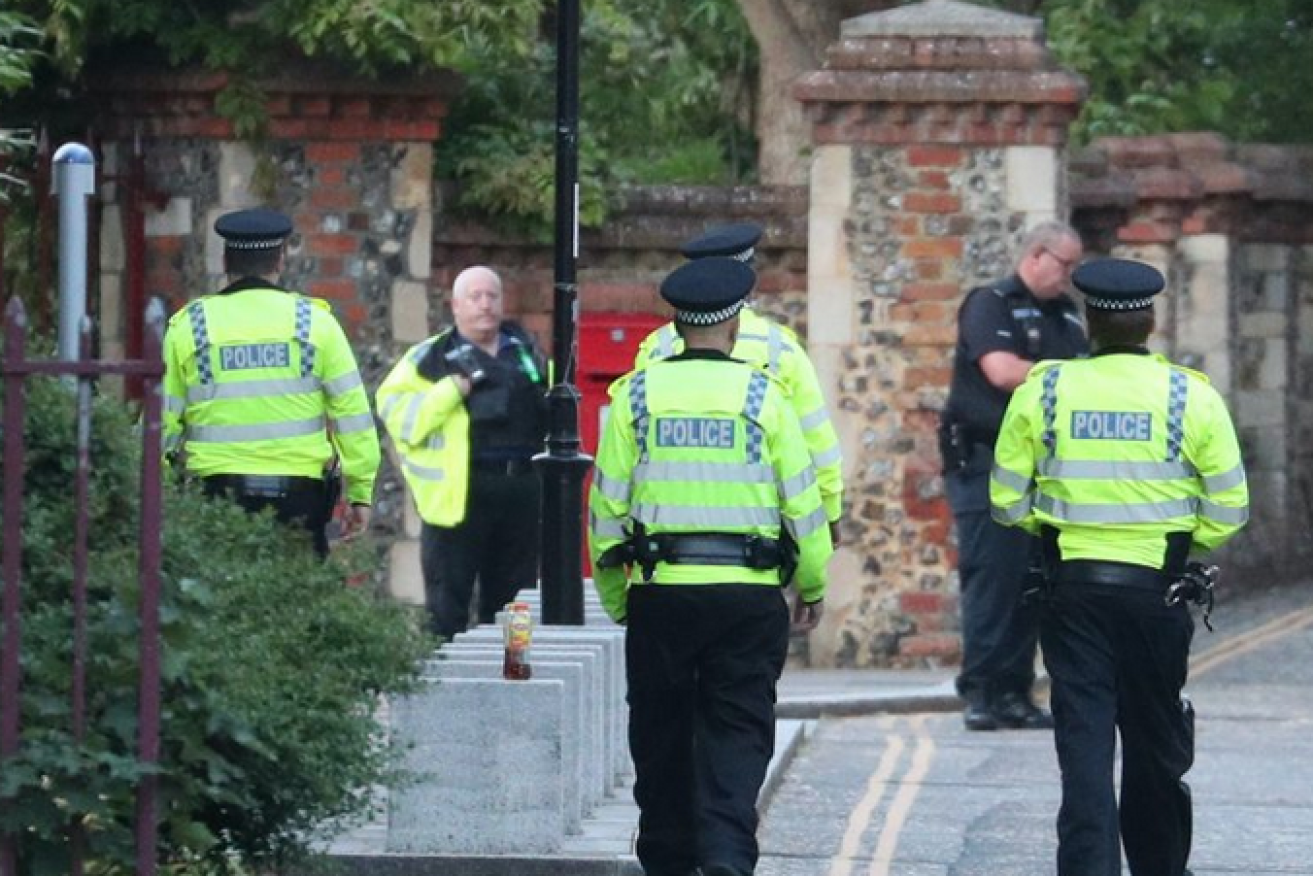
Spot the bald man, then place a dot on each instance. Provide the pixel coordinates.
(466, 411)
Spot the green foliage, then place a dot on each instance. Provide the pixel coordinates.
(271, 667)
(19, 38)
(1239, 67)
(665, 83)
(664, 97)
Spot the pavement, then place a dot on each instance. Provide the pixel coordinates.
(805, 697)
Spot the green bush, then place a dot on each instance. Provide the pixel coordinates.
(272, 666)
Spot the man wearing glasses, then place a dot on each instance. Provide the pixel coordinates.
(1004, 328)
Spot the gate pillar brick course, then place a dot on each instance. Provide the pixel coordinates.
(939, 134)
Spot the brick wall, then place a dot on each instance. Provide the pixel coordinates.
(350, 161)
(1232, 227)
(621, 265)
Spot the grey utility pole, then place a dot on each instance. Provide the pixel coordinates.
(74, 180)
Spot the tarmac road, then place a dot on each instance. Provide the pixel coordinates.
(916, 795)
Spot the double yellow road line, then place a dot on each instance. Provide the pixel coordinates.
(901, 732)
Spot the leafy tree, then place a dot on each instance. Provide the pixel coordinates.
(663, 89)
(1239, 67)
(271, 669)
(665, 97)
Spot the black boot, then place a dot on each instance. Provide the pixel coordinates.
(978, 716)
(1015, 711)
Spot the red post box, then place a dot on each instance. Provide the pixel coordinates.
(608, 343)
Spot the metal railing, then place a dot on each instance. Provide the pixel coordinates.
(16, 368)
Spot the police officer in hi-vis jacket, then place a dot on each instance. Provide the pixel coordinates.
(262, 397)
(704, 502)
(1125, 466)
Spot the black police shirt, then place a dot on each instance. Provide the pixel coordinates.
(508, 408)
(1005, 317)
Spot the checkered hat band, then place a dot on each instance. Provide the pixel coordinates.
(269, 243)
(1128, 304)
(707, 317)
(746, 255)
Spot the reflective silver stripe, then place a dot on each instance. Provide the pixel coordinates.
(1013, 514)
(774, 346)
(251, 389)
(1127, 512)
(1226, 480)
(1010, 479)
(665, 341)
(255, 432)
(805, 526)
(171, 443)
(607, 527)
(174, 405)
(798, 484)
(833, 456)
(722, 472)
(418, 353)
(436, 442)
(1109, 470)
(342, 385)
(818, 417)
(705, 517)
(612, 488)
(353, 423)
(1223, 513)
(1049, 406)
(423, 472)
(410, 419)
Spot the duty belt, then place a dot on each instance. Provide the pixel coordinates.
(701, 549)
(1106, 573)
(753, 551)
(264, 486)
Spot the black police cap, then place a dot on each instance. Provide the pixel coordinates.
(732, 241)
(708, 291)
(1118, 284)
(253, 229)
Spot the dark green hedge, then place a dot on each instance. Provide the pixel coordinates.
(272, 666)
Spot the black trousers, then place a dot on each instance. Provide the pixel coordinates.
(1118, 659)
(999, 632)
(302, 503)
(496, 543)
(702, 664)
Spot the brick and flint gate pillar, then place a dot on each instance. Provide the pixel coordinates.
(939, 134)
(349, 159)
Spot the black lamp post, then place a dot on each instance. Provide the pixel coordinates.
(563, 467)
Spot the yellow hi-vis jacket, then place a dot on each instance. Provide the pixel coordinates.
(704, 445)
(262, 381)
(430, 429)
(1116, 452)
(776, 350)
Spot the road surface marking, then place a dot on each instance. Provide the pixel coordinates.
(1255, 638)
(901, 807)
(842, 863)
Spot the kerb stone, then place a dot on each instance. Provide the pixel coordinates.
(613, 642)
(489, 768)
(572, 675)
(592, 658)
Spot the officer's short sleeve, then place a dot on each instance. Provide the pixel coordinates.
(985, 325)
